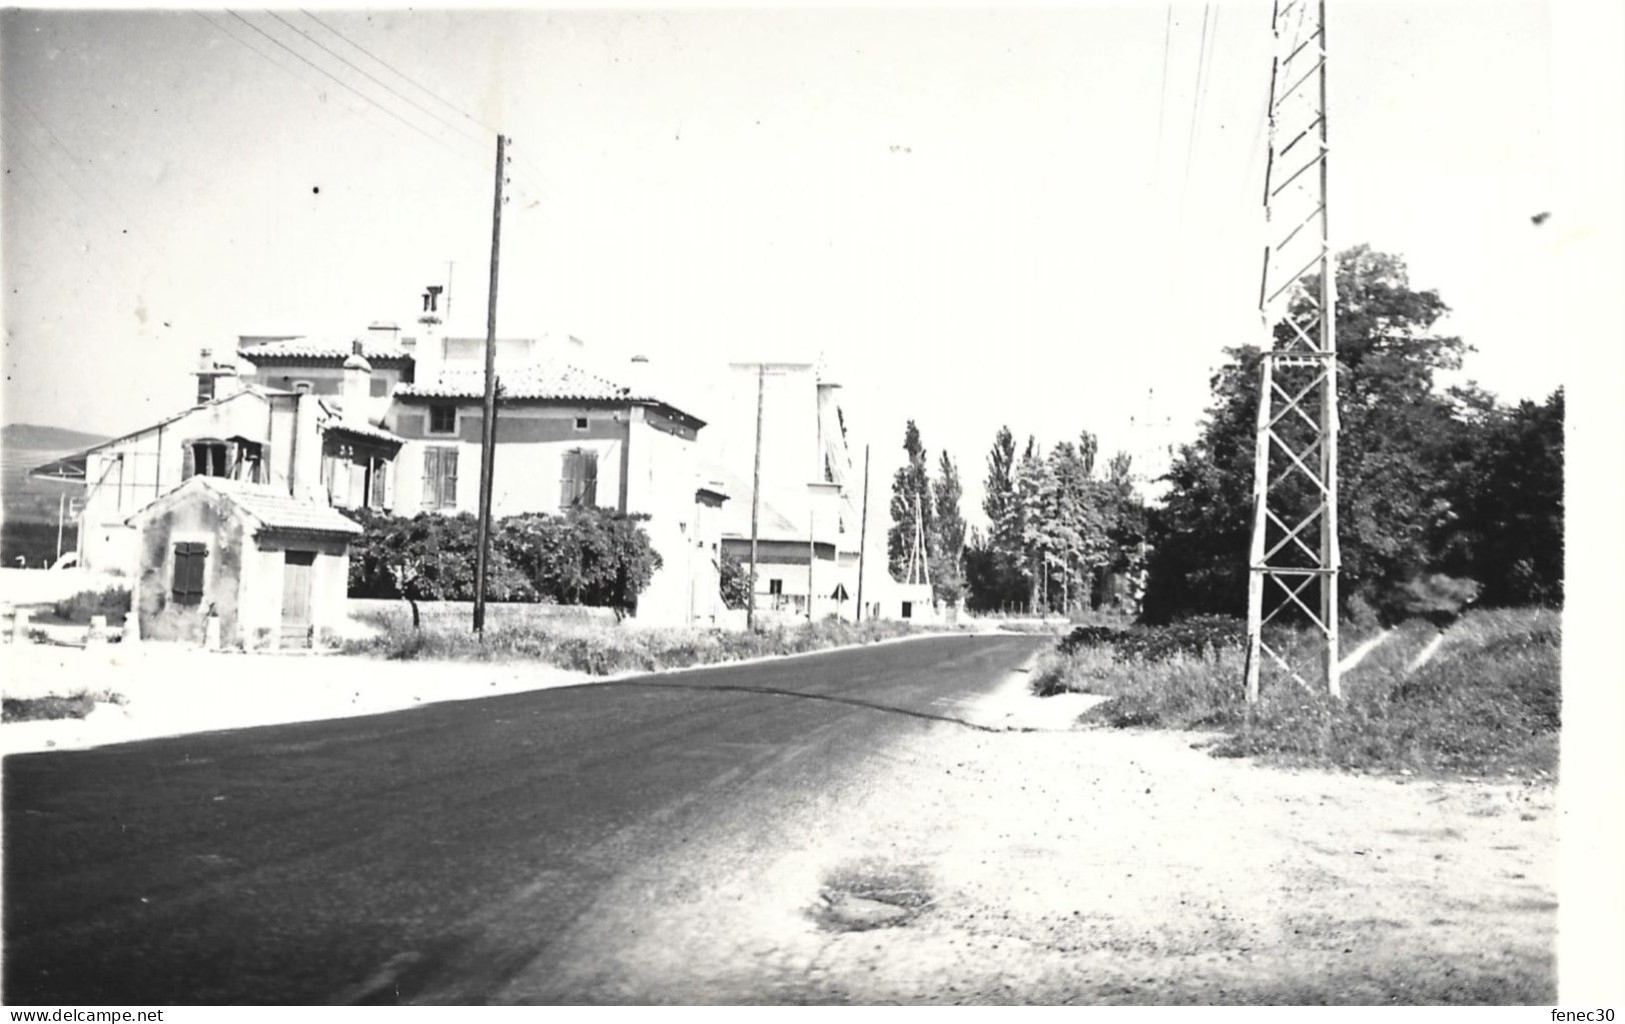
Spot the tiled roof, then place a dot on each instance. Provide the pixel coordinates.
(361, 429)
(544, 379)
(324, 348)
(276, 509)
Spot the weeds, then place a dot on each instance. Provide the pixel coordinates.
(1489, 702)
(55, 706)
(600, 648)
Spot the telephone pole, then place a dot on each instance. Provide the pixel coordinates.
(1294, 558)
(863, 532)
(488, 435)
(756, 495)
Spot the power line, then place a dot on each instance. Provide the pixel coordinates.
(402, 75)
(484, 129)
(1162, 97)
(346, 85)
(368, 75)
(1198, 92)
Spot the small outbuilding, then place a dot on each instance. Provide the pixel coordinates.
(240, 564)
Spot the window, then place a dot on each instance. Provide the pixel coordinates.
(378, 387)
(439, 478)
(908, 609)
(775, 587)
(578, 481)
(442, 418)
(303, 387)
(206, 458)
(581, 423)
(188, 586)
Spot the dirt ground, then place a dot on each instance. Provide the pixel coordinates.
(1094, 867)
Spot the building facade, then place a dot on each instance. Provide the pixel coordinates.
(395, 424)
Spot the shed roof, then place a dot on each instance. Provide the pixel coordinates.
(270, 508)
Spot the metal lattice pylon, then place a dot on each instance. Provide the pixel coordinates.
(1294, 557)
(919, 567)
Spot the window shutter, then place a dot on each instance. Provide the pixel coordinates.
(188, 465)
(589, 486)
(380, 487)
(431, 477)
(448, 470)
(189, 558)
(568, 474)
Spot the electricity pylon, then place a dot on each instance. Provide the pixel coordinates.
(1294, 557)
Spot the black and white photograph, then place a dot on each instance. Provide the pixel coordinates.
(1107, 504)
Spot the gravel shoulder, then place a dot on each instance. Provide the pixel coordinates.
(1089, 866)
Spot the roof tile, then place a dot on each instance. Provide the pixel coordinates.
(278, 510)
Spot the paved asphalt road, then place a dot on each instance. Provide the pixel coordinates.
(430, 855)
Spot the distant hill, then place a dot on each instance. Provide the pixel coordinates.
(34, 437)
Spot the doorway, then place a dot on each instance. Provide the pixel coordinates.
(298, 570)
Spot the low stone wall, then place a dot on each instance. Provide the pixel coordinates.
(497, 615)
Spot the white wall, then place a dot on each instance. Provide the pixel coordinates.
(127, 475)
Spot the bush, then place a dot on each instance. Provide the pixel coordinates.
(734, 581)
(586, 556)
(114, 602)
(1198, 637)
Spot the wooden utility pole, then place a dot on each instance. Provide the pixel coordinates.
(812, 549)
(488, 436)
(863, 531)
(756, 495)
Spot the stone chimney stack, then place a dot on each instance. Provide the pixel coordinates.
(357, 387)
(214, 379)
(637, 376)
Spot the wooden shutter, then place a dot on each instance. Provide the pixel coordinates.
(431, 477)
(589, 478)
(448, 478)
(189, 559)
(380, 486)
(569, 474)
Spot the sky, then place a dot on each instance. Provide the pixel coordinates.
(1044, 218)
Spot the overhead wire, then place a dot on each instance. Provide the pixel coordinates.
(487, 130)
(1162, 93)
(352, 89)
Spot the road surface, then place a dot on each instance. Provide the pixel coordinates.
(444, 854)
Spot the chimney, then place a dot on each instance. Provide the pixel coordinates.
(637, 376)
(357, 388)
(205, 376)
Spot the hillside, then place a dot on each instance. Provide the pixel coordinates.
(30, 506)
(33, 436)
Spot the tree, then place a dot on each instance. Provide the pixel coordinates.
(911, 500)
(1000, 579)
(1395, 428)
(1033, 484)
(948, 531)
(1503, 524)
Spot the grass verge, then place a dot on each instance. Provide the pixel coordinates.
(54, 706)
(1488, 703)
(599, 648)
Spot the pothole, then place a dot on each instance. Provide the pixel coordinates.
(864, 895)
